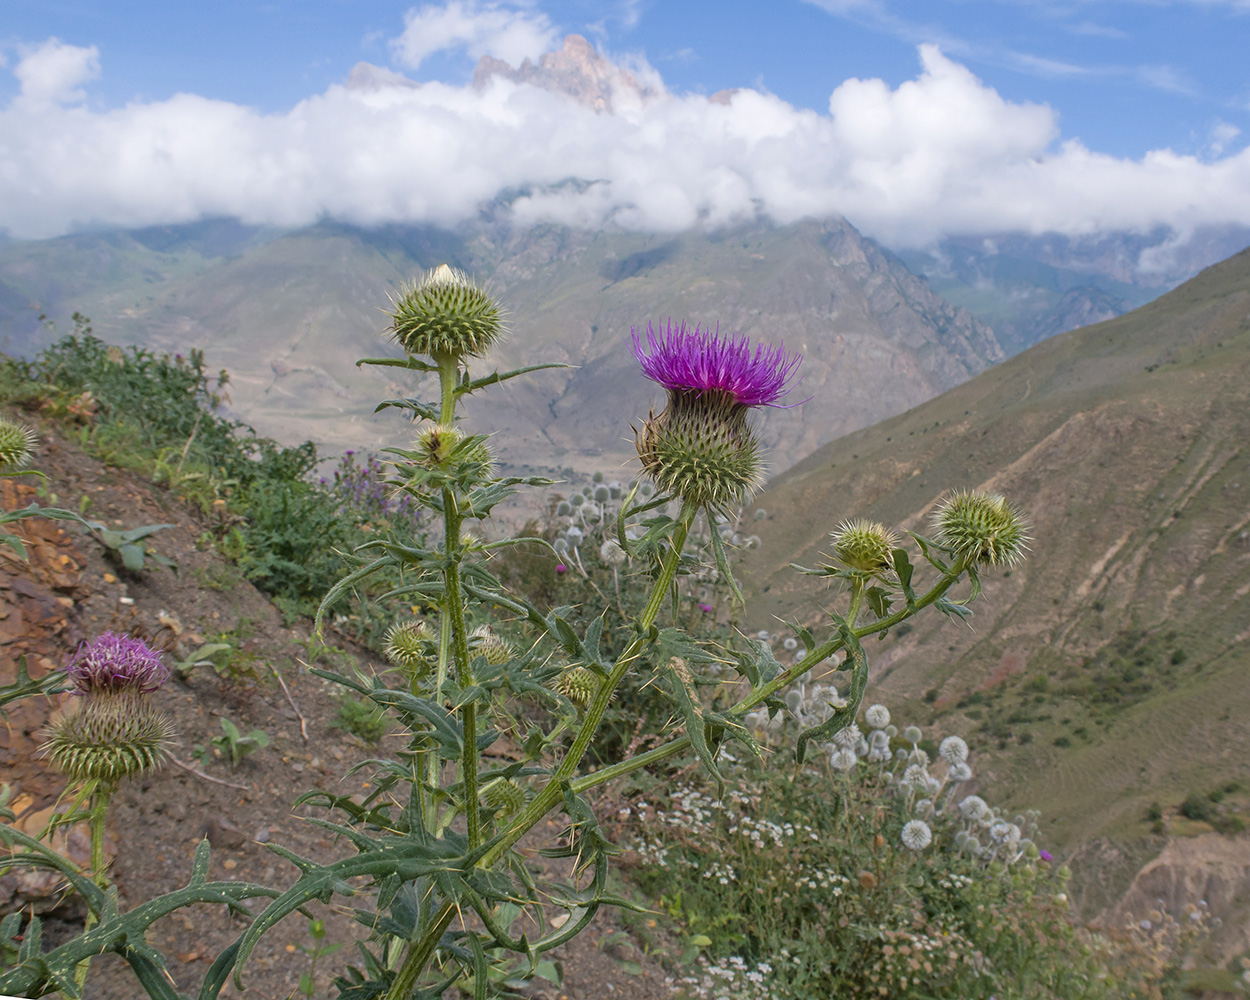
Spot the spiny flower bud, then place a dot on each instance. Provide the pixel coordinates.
(17, 441)
(435, 444)
(866, 546)
(407, 645)
(578, 684)
(702, 451)
(486, 642)
(114, 736)
(446, 314)
(504, 796)
(982, 528)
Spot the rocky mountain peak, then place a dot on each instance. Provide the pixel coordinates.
(576, 69)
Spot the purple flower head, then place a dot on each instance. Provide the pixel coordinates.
(113, 664)
(1046, 856)
(705, 608)
(700, 361)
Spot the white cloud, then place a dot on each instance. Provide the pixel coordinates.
(941, 153)
(52, 73)
(506, 32)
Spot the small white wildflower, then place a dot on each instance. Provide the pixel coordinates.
(915, 776)
(612, 553)
(953, 750)
(973, 807)
(877, 716)
(848, 737)
(959, 772)
(917, 835)
(843, 759)
(790, 643)
(912, 734)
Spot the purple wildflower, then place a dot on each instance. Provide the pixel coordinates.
(694, 360)
(116, 663)
(561, 569)
(1046, 856)
(705, 608)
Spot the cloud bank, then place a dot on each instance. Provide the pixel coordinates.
(940, 154)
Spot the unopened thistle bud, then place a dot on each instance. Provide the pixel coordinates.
(486, 642)
(866, 546)
(446, 314)
(110, 738)
(505, 796)
(435, 444)
(17, 441)
(578, 684)
(408, 645)
(701, 450)
(982, 528)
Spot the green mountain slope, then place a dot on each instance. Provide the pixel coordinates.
(1110, 670)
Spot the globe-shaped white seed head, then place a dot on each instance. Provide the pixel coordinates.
(953, 750)
(843, 759)
(612, 553)
(916, 835)
(877, 716)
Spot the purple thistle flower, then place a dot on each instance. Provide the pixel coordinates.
(112, 664)
(705, 608)
(561, 569)
(699, 361)
(1046, 856)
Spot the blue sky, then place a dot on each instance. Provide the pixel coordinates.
(1150, 99)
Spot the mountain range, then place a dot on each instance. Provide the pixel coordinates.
(288, 313)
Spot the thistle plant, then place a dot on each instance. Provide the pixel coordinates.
(115, 733)
(450, 897)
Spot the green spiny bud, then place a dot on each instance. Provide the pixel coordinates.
(407, 645)
(113, 736)
(446, 314)
(485, 641)
(982, 528)
(504, 796)
(702, 450)
(866, 546)
(17, 441)
(578, 684)
(435, 444)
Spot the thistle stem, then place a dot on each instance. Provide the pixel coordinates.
(418, 956)
(816, 656)
(551, 793)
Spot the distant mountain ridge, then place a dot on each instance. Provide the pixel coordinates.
(290, 313)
